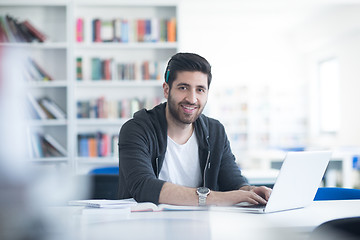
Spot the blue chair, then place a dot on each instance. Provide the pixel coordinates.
(105, 170)
(104, 183)
(336, 193)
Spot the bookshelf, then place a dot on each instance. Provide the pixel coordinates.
(58, 55)
(126, 87)
(51, 55)
(260, 117)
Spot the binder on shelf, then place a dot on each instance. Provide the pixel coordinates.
(34, 31)
(8, 34)
(52, 141)
(44, 145)
(38, 71)
(52, 107)
(41, 114)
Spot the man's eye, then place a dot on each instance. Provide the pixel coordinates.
(182, 88)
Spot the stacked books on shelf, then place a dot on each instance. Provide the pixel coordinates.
(109, 69)
(129, 30)
(34, 72)
(44, 145)
(44, 108)
(13, 30)
(97, 144)
(111, 109)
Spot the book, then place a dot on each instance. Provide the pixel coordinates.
(79, 30)
(133, 205)
(79, 72)
(6, 29)
(37, 150)
(37, 71)
(171, 30)
(106, 31)
(36, 106)
(52, 108)
(53, 142)
(39, 35)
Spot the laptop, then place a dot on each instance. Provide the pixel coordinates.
(297, 183)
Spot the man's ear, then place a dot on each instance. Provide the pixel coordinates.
(166, 89)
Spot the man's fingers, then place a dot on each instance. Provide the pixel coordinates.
(258, 198)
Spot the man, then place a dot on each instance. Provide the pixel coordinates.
(174, 154)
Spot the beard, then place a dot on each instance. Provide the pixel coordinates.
(177, 113)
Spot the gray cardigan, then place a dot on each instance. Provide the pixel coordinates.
(142, 147)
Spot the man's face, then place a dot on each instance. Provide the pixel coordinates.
(187, 97)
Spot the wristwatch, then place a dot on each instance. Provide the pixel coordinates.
(203, 192)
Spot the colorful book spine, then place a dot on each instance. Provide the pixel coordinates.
(80, 30)
(79, 71)
(41, 36)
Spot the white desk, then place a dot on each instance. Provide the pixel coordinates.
(213, 224)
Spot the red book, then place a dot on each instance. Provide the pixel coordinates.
(79, 30)
(97, 30)
(35, 31)
(141, 30)
(107, 69)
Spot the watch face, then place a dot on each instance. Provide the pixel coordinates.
(203, 190)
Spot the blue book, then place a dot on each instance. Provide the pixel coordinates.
(83, 146)
(125, 31)
(147, 36)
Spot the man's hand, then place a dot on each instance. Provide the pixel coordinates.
(180, 195)
(262, 191)
(250, 194)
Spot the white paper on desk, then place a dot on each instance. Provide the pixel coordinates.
(104, 203)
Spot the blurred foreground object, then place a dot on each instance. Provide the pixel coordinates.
(25, 195)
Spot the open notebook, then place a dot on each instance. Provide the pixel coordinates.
(296, 185)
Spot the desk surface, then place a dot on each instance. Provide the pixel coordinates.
(215, 223)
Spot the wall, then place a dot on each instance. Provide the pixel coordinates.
(256, 42)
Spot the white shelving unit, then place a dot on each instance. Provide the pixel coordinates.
(51, 18)
(114, 89)
(57, 19)
(260, 117)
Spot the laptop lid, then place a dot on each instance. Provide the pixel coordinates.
(298, 180)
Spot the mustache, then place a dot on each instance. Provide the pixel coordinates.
(189, 103)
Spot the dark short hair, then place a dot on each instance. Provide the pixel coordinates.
(186, 62)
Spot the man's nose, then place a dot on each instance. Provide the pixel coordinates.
(191, 96)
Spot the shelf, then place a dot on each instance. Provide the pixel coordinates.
(36, 45)
(49, 160)
(57, 57)
(135, 45)
(49, 122)
(123, 3)
(25, 3)
(47, 84)
(99, 122)
(97, 160)
(119, 83)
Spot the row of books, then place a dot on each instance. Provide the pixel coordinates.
(44, 108)
(129, 30)
(109, 69)
(34, 72)
(112, 109)
(45, 145)
(97, 144)
(13, 30)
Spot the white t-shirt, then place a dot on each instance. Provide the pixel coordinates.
(181, 164)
